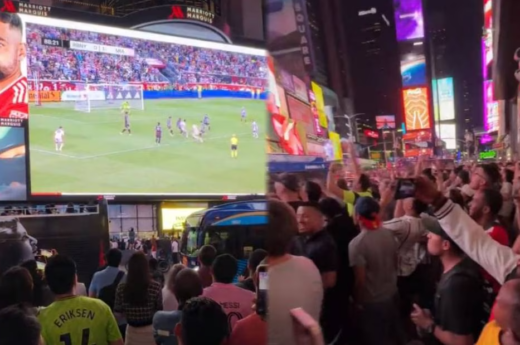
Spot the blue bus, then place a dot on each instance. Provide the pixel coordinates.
(236, 228)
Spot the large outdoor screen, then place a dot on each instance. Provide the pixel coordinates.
(413, 64)
(409, 19)
(416, 109)
(116, 111)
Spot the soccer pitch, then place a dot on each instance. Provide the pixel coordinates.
(96, 158)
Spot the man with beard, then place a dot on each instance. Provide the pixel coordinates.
(484, 210)
(13, 85)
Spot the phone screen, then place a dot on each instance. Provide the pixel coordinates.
(405, 189)
(261, 293)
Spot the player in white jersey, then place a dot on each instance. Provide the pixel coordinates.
(182, 126)
(195, 133)
(59, 136)
(254, 127)
(243, 115)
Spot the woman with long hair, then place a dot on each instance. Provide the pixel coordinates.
(170, 302)
(16, 287)
(138, 299)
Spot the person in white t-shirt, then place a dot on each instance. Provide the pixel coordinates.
(175, 250)
(59, 137)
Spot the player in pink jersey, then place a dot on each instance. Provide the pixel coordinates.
(236, 302)
(13, 85)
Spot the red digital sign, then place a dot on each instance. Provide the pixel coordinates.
(371, 134)
(416, 109)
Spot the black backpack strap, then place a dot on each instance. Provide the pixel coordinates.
(119, 276)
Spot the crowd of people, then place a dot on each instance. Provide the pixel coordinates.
(438, 266)
(186, 64)
(371, 265)
(136, 305)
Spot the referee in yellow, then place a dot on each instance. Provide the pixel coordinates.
(234, 146)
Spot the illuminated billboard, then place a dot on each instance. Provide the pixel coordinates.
(320, 104)
(108, 103)
(385, 122)
(446, 99)
(416, 109)
(302, 113)
(409, 20)
(491, 111)
(448, 134)
(413, 64)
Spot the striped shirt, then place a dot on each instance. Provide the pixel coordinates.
(14, 100)
(409, 232)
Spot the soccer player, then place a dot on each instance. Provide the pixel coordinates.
(74, 319)
(234, 146)
(195, 133)
(169, 125)
(125, 107)
(158, 133)
(254, 126)
(126, 127)
(13, 85)
(59, 137)
(243, 115)
(205, 121)
(183, 128)
(199, 91)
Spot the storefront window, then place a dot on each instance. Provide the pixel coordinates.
(142, 218)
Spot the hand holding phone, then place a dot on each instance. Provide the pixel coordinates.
(261, 290)
(405, 188)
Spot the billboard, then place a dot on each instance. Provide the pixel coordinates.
(409, 20)
(301, 113)
(492, 112)
(448, 134)
(446, 99)
(416, 109)
(335, 141)
(371, 134)
(109, 133)
(385, 122)
(413, 64)
(320, 104)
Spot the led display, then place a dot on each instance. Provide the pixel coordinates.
(409, 19)
(416, 109)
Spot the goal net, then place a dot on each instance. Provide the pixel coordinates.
(90, 97)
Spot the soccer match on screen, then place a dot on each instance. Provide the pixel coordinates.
(117, 114)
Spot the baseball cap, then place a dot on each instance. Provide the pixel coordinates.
(366, 207)
(432, 225)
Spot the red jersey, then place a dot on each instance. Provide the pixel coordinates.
(14, 100)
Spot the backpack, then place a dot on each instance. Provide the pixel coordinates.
(108, 293)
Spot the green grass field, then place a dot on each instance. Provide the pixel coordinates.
(96, 158)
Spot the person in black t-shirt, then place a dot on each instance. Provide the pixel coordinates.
(459, 300)
(319, 246)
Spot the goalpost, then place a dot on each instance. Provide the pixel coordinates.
(89, 97)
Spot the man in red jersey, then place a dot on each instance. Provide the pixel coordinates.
(13, 85)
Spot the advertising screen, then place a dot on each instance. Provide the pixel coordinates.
(174, 218)
(413, 64)
(492, 115)
(335, 141)
(416, 109)
(409, 19)
(446, 98)
(118, 111)
(385, 122)
(14, 109)
(448, 134)
(320, 104)
(301, 112)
